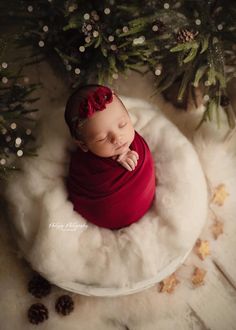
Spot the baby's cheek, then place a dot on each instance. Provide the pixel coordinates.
(132, 133)
(104, 150)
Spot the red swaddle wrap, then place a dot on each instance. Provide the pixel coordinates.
(107, 194)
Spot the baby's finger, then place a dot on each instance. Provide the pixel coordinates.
(120, 157)
(131, 163)
(127, 166)
(135, 153)
(134, 158)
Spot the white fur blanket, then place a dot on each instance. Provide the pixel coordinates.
(78, 256)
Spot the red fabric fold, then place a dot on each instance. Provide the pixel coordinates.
(107, 194)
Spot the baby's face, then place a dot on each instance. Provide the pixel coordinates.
(108, 132)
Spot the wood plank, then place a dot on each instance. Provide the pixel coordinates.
(215, 303)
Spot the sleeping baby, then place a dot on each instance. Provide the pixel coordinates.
(111, 179)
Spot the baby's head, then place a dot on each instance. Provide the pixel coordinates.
(99, 121)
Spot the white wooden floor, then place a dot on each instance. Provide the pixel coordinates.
(209, 306)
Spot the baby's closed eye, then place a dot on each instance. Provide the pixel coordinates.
(103, 139)
(122, 125)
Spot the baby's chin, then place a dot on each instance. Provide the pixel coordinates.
(122, 150)
(114, 153)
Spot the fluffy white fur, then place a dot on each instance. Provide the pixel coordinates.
(95, 261)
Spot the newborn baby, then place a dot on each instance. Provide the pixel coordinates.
(111, 179)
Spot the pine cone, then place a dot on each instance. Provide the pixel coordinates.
(186, 35)
(64, 305)
(37, 313)
(224, 101)
(39, 286)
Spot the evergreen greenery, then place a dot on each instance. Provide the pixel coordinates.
(192, 41)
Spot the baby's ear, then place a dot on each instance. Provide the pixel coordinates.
(81, 144)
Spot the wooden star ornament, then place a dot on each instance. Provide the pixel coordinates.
(219, 195)
(217, 229)
(202, 248)
(198, 276)
(168, 284)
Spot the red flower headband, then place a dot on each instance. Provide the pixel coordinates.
(95, 101)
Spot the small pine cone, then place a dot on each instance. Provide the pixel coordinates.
(37, 313)
(186, 35)
(38, 286)
(64, 305)
(224, 101)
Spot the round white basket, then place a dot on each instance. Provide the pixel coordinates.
(81, 257)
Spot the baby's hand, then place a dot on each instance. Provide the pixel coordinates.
(128, 160)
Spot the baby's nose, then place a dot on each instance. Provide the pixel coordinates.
(115, 139)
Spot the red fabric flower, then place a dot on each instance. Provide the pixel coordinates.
(95, 101)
